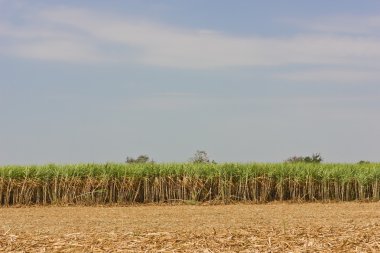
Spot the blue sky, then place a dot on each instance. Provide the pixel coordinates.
(96, 81)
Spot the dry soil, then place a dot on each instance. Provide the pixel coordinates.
(276, 227)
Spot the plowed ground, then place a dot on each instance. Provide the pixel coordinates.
(276, 227)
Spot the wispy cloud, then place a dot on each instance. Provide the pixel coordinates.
(189, 101)
(332, 75)
(55, 50)
(343, 24)
(77, 35)
(173, 101)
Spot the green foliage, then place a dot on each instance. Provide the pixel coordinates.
(315, 158)
(139, 159)
(201, 156)
(191, 182)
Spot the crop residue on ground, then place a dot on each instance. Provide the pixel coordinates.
(276, 227)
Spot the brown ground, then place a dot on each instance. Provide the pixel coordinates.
(278, 227)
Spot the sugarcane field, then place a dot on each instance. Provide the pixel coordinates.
(189, 207)
(210, 126)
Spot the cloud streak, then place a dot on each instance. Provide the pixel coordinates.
(345, 24)
(332, 75)
(77, 35)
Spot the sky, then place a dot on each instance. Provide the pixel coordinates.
(246, 81)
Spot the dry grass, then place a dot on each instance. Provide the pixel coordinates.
(276, 227)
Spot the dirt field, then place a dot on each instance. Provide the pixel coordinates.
(278, 227)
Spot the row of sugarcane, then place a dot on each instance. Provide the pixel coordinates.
(93, 184)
